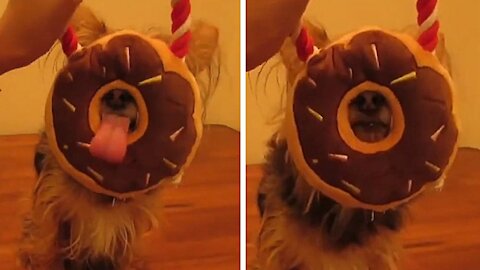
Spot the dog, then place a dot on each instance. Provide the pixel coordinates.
(301, 232)
(70, 227)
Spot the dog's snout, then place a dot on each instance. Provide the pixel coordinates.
(117, 99)
(369, 102)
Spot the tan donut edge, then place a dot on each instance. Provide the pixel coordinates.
(423, 58)
(94, 108)
(171, 63)
(345, 129)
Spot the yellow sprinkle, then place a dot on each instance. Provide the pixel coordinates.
(157, 78)
(69, 105)
(351, 187)
(174, 136)
(170, 164)
(435, 135)
(315, 114)
(95, 174)
(409, 76)
(338, 156)
(432, 167)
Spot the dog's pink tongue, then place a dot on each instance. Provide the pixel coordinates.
(110, 142)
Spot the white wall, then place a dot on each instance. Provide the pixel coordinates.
(24, 91)
(459, 22)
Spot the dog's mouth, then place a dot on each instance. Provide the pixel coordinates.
(119, 118)
(370, 117)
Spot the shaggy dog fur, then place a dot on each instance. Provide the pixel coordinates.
(302, 229)
(70, 227)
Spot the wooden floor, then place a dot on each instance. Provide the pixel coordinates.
(444, 231)
(202, 215)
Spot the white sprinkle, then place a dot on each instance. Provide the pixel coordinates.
(315, 161)
(69, 76)
(432, 167)
(375, 54)
(157, 78)
(410, 182)
(311, 82)
(315, 114)
(113, 202)
(409, 76)
(343, 158)
(174, 136)
(147, 179)
(372, 216)
(69, 105)
(350, 70)
(351, 187)
(127, 55)
(170, 164)
(65, 147)
(104, 71)
(95, 174)
(435, 135)
(84, 145)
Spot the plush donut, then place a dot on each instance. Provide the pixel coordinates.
(422, 140)
(168, 123)
(423, 137)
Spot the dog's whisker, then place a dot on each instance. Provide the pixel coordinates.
(174, 136)
(434, 168)
(407, 77)
(375, 54)
(340, 157)
(154, 79)
(437, 133)
(97, 175)
(352, 187)
(309, 203)
(69, 105)
(315, 114)
(113, 202)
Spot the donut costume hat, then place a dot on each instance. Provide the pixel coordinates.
(422, 142)
(98, 151)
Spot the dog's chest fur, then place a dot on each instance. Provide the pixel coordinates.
(304, 230)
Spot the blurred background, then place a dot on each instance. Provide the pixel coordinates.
(24, 91)
(458, 23)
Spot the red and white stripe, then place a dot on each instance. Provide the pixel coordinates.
(69, 42)
(428, 23)
(304, 43)
(181, 27)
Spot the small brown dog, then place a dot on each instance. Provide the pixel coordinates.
(71, 227)
(301, 232)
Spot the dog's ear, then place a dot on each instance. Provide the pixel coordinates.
(203, 48)
(87, 25)
(442, 53)
(288, 51)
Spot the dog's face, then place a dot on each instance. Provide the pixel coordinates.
(370, 116)
(121, 103)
